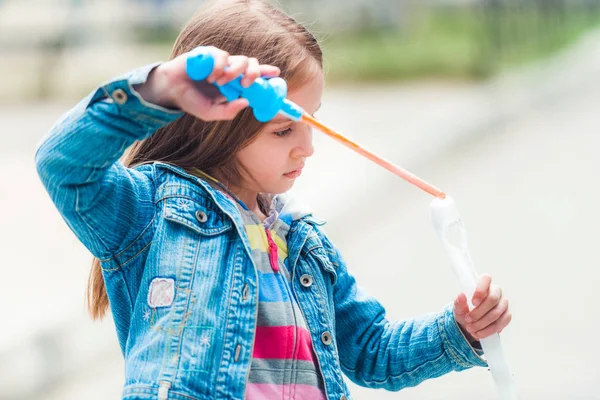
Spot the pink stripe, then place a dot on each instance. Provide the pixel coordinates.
(261, 391)
(277, 341)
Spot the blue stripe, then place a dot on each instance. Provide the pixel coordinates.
(272, 287)
(287, 218)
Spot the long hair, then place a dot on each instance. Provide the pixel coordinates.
(252, 28)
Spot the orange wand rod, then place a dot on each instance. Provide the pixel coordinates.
(267, 97)
(402, 173)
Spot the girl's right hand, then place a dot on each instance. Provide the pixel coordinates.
(169, 85)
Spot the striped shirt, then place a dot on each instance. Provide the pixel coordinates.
(284, 365)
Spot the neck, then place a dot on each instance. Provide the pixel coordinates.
(247, 196)
(250, 199)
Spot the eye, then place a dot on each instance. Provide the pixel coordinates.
(283, 133)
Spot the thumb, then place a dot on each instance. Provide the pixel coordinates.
(461, 307)
(229, 110)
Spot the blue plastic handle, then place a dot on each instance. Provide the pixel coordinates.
(266, 97)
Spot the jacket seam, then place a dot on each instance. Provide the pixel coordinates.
(170, 195)
(133, 241)
(187, 311)
(133, 389)
(120, 266)
(223, 349)
(448, 344)
(392, 377)
(87, 223)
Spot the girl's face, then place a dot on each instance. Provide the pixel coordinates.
(275, 158)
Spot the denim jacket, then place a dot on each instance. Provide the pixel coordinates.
(180, 277)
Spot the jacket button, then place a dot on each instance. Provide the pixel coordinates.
(326, 338)
(119, 96)
(201, 216)
(343, 397)
(306, 280)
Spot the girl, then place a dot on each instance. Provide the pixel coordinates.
(221, 286)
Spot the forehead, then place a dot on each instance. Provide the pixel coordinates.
(307, 95)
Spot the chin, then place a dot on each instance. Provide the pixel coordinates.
(282, 187)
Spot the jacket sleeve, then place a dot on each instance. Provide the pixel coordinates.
(377, 353)
(104, 203)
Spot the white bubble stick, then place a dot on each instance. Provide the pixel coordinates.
(445, 218)
(452, 233)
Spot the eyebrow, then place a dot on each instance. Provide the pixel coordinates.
(281, 119)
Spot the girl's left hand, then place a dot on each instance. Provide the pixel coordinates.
(490, 315)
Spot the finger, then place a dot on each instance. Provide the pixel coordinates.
(252, 72)
(481, 291)
(489, 318)
(221, 60)
(237, 66)
(228, 110)
(461, 307)
(493, 298)
(269, 70)
(496, 327)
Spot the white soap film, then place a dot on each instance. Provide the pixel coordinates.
(453, 235)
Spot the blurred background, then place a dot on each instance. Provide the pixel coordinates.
(493, 101)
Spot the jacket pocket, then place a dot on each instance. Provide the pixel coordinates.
(325, 263)
(195, 215)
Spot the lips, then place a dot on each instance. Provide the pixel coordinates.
(295, 173)
(297, 170)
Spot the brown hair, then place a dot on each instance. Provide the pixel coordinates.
(252, 28)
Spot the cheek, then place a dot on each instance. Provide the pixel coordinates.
(266, 158)
(273, 166)
(265, 164)
(272, 158)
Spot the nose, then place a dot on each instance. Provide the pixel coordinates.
(304, 147)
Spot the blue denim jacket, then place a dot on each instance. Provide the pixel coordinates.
(157, 223)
